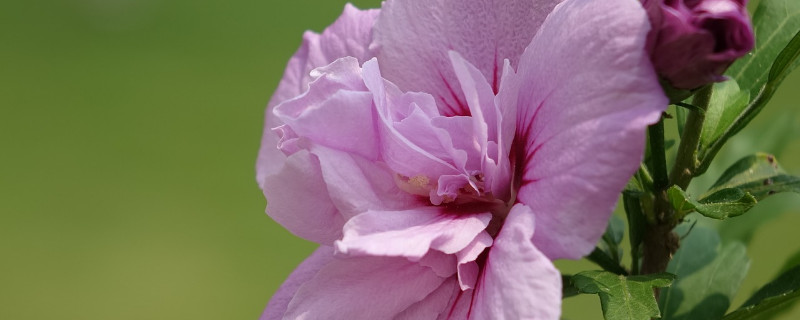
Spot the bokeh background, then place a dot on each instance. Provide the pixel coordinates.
(128, 135)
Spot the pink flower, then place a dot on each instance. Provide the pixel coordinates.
(693, 42)
(442, 153)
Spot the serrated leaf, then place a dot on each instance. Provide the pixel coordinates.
(727, 102)
(758, 174)
(723, 204)
(776, 295)
(624, 297)
(708, 276)
(775, 22)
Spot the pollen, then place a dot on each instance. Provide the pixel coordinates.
(419, 181)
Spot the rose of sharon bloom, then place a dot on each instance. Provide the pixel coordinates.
(442, 153)
(693, 42)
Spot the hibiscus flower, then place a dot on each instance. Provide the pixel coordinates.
(443, 153)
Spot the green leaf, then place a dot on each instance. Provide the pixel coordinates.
(608, 253)
(791, 262)
(727, 102)
(624, 297)
(759, 175)
(786, 60)
(680, 119)
(723, 204)
(775, 22)
(613, 237)
(709, 275)
(568, 288)
(776, 295)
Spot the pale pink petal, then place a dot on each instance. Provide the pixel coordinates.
(411, 233)
(363, 288)
(338, 93)
(399, 152)
(350, 35)
(298, 200)
(412, 39)
(433, 305)
(444, 265)
(587, 92)
(356, 185)
(304, 272)
(518, 281)
(468, 269)
(489, 137)
(459, 306)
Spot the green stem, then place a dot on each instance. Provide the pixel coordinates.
(686, 161)
(657, 155)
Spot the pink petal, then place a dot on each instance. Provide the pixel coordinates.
(410, 233)
(339, 93)
(433, 305)
(412, 39)
(468, 269)
(518, 281)
(399, 151)
(490, 136)
(587, 91)
(350, 35)
(356, 185)
(298, 200)
(363, 288)
(304, 272)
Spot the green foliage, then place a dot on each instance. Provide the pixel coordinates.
(777, 28)
(774, 23)
(725, 203)
(613, 237)
(727, 102)
(623, 297)
(759, 175)
(608, 253)
(708, 276)
(778, 294)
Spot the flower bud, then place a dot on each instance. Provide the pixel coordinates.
(693, 42)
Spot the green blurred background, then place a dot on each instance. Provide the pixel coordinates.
(128, 135)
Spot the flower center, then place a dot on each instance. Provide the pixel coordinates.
(467, 196)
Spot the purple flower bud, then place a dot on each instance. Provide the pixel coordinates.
(693, 42)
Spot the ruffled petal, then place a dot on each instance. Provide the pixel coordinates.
(489, 134)
(586, 93)
(356, 185)
(518, 281)
(350, 35)
(298, 200)
(338, 93)
(412, 38)
(407, 152)
(410, 233)
(363, 288)
(433, 305)
(304, 272)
